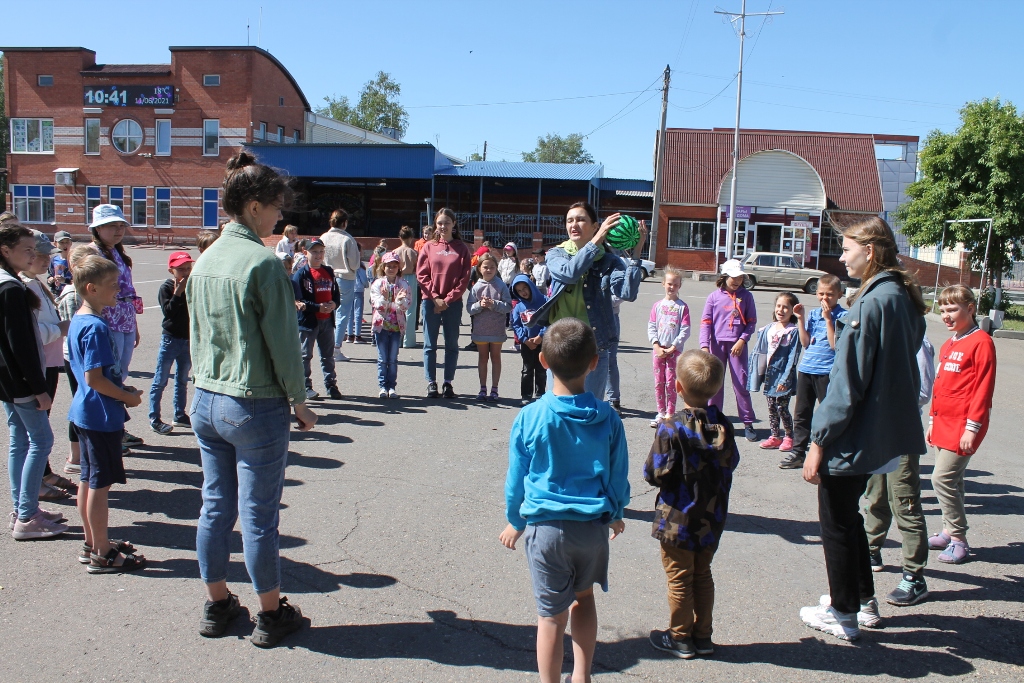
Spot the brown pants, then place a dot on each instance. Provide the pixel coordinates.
(691, 591)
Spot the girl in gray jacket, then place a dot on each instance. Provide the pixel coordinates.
(489, 304)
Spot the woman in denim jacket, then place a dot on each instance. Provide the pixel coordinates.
(584, 277)
(868, 419)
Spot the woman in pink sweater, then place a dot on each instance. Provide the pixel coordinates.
(442, 270)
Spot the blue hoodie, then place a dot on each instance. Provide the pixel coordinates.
(522, 312)
(567, 459)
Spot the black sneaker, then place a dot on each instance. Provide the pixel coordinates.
(432, 390)
(271, 627)
(161, 428)
(217, 616)
(617, 407)
(750, 433)
(912, 590)
(704, 646)
(793, 461)
(447, 391)
(875, 558)
(130, 440)
(663, 640)
(183, 421)
(334, 393)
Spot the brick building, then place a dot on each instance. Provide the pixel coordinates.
(153, 138)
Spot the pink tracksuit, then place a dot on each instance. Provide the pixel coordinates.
(727, 318)
(669, 326)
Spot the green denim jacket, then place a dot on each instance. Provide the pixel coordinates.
(244, 334)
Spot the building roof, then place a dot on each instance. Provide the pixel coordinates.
(128, 70)
(235, 48)
(697, 160)
(526, 169)
(360, 161)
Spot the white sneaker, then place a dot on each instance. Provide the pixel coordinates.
(656, 420)
(311, 394)
(383, 393)
(37, 527)
(392, 393)
(868, 616)
(828, 620)
(339, 357)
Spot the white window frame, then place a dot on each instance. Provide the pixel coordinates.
(156, 138)
(85, 136)
(39, 80)
(42, 123)
(297, 135)
(22, 204)
(145, 207)
(280, 134)
(206, 133)
(141, 136)
(689, 224)
(92, 203)
(157, 204)
(211, 80)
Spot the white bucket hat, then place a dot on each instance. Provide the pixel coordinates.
(106, 213)
(733, 268)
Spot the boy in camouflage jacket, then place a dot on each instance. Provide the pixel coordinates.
(692, 461)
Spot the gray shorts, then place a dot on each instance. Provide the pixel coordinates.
(565, 558)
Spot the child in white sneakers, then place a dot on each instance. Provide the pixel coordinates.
(667, 330)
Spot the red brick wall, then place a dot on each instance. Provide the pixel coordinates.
(948, 275)
(246, 77)
(687, 259)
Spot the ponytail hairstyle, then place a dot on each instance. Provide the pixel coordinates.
(436, 234)
(246, 181)
(791, 299)
(876, 233)
(12, 232)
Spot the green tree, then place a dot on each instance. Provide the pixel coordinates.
(975, 172)
(378, 106)
(553, 148)
(475, 156)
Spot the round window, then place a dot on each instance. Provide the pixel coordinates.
(126, 136)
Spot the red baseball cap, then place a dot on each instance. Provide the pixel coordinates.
(178, 258)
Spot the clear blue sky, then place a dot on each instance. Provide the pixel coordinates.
(872, 66)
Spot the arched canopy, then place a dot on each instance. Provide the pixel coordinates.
(776, 179)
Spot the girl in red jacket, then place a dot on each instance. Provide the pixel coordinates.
(959, 418)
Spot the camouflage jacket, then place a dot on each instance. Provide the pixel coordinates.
(692, 461)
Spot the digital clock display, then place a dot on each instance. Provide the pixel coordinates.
(131, 95)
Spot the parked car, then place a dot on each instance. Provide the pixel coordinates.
(772, 269)
(646, 267)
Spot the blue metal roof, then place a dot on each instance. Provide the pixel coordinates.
(526, 169)
(353, 161)
(626, 184)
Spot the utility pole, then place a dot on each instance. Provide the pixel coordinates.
(730, 247)
(485, 150)
(659, 168)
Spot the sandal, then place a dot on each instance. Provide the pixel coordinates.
(59, 482)
(51, 493)
(122, 547)
(104, 564)
(955, 553)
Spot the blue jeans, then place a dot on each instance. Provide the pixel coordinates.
(124, 345)
(597, 381)
(612, 390)
(449, 321)
(320, 338)
(243, 443)
(344, 312)
(410, 315)
(355, 323)
(31, 443)
(387, 358)
(172, 350)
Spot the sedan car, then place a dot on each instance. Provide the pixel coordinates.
(773, 269)
(646, 267)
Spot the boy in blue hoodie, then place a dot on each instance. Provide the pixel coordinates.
(534, 379)
(567, 484)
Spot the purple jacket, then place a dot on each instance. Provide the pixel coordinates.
(728, 317)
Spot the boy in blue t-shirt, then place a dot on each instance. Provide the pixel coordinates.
(567, 485)
(98, 413)
(818, 337)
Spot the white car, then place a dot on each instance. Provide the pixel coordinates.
(646, 267)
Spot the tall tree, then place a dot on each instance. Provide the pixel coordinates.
(975, 172)
(378, 107)
(553, 148)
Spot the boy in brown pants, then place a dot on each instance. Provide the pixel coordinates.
(692, 461)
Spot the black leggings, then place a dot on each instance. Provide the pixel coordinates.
(844, 540)
(72, 434)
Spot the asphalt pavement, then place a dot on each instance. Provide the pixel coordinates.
(389, 543)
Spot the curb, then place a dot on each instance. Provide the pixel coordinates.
(1008, 334)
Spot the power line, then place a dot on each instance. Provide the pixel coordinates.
(707, 102)
(647, 89)
(553, 99)
(689, 24)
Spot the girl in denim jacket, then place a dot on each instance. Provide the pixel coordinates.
(778, 344)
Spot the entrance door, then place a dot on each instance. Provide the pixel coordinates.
(769, 237)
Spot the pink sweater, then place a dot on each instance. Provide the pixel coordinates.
(442, 270)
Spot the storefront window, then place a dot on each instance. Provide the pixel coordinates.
(691, 235)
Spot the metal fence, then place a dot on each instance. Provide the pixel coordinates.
(501, 228)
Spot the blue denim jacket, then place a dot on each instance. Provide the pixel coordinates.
(607, 277)
(780, 370)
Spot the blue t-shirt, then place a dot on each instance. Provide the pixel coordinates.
(89, 347)
(818, 357)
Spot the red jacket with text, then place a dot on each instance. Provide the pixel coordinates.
(964, 383)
